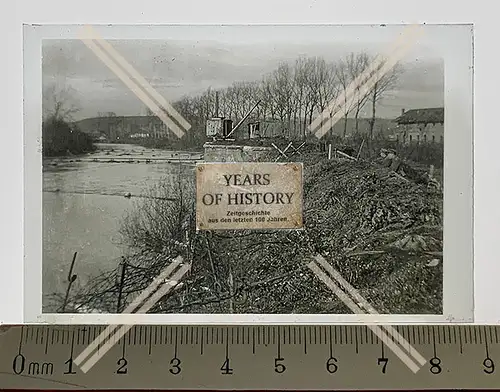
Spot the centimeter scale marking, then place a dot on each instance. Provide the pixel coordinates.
(250, 357)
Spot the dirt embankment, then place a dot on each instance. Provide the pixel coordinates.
(382, 232)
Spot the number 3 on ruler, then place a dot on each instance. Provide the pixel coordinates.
(176, 366)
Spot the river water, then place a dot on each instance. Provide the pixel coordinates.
(83, 206)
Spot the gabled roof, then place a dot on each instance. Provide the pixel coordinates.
(422, 116)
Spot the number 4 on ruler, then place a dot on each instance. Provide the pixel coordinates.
(225, 368)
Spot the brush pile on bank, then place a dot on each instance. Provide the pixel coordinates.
(381, 231)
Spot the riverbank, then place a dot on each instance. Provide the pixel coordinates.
(382, 232)
(165, 144)
(126, 153)
(84, 204)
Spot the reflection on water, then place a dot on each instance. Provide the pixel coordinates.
(83, 205)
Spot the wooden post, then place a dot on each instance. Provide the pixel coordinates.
(359, 151)
(71, 279)
(120, 285)
(330, 151)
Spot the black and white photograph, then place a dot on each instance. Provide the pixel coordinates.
(128, 123)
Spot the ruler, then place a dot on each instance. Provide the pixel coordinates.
(271, 357)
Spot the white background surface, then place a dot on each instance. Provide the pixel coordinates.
(487, 136)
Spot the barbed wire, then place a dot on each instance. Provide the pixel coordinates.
(125, 194)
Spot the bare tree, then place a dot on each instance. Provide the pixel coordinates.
(327, 87)
(59, 103)
(344, 77)
(208, 98)
(245, 96)
(294, 93)
(224, 103)
(266, 91)
(308, 81)
(299, 88)
(323, 87)
(380, 89)
(281, 91)
(357, 64)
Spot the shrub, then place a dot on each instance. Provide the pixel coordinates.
(59, 138)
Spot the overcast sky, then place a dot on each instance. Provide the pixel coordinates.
(189, 59)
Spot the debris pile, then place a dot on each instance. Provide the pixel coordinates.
(380, 231)
(383, 233)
